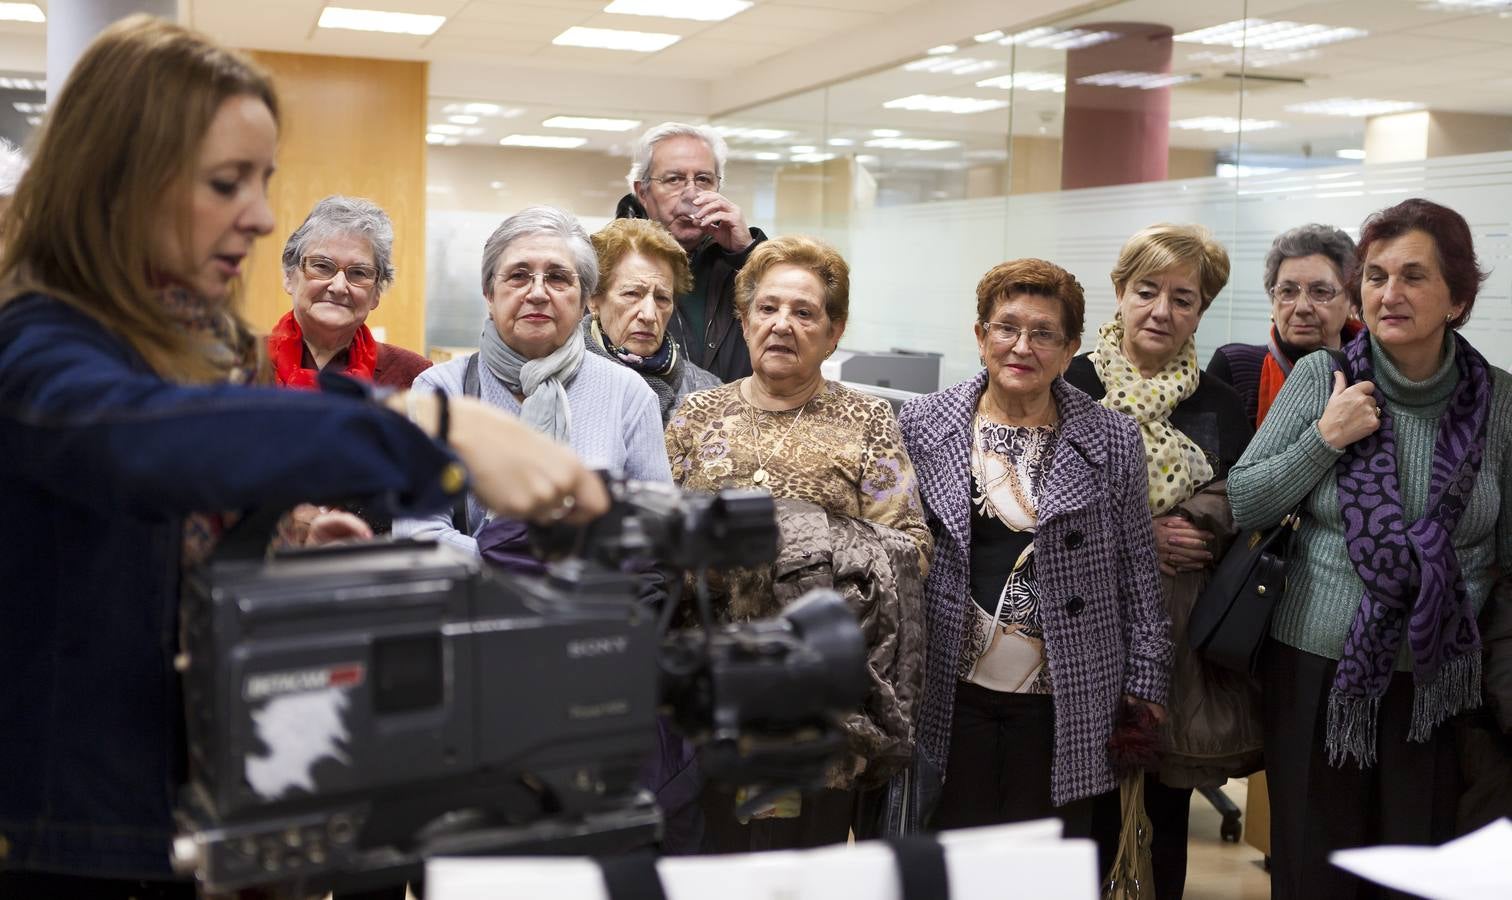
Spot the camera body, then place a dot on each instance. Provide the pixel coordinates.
(352, 710)
(343, 701)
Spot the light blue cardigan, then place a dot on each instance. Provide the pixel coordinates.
(616, 426)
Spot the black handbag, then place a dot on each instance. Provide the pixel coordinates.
(1232, 614)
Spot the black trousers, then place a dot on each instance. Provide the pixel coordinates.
(1002, 748)
(1407, 797)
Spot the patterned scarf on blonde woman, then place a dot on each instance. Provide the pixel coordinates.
(1177, 467)
(234, 353)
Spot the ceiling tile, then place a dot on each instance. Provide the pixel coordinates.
(805, 17)
(481, 47)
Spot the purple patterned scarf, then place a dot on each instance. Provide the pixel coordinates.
(1411, 573)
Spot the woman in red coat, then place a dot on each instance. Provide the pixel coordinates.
(336, 267)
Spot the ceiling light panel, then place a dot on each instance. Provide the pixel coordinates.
(942, 104)
(591, 123)
(1145, 81)
(21, 12)
(30, 109)
(1462, 6)
(23, 84)
(1349, 107)
(448, 128)
(697, 10)
(951, 48)
(376, 20)
(483, 109)
(1027, 81)
(615, 39)
(1352, 153)
(812, 157)
(552, 141)
(752, 134)
(950, 65)
(901, 143)
(1267, 35)
(886, 132)
(988, 37)
(1224, 124)
(1058, 38)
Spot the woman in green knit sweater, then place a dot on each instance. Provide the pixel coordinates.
(1402, 464)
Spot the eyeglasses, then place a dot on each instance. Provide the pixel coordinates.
(1288, 292)
(1039, 338)
(322, 269)
(677, 182)
(557, 281)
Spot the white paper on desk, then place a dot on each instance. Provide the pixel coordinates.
(1044, 866)
(1474, 867)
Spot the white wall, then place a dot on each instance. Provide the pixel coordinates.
(915, 268)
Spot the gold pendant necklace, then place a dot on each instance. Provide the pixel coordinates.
(760, 476)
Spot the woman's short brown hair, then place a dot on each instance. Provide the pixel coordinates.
(1160, 248)
(119, 149)
(806, 253)
(622, 237)
(1038, 277)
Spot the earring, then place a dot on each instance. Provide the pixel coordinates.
(1448, 317)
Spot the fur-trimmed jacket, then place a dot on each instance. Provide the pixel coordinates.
(876, 569)
(1106, 630)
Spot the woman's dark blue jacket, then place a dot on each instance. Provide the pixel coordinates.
(100, 459)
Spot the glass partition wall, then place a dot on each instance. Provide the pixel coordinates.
(1061, 140)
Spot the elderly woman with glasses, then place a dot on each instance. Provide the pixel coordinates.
(1306, 271)
(1192, 429)
(539, 269)
(641, 272)
(1043, 611)
(336, 266)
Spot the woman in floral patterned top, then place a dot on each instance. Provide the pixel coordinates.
(785, 428)
(788, 430)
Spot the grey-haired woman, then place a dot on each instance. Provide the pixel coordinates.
(539, 268)
(1306, 272)
(336, 266)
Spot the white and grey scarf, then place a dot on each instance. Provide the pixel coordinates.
(543, 382)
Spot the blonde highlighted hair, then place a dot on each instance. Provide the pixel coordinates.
(113, 166)
(1160, 248)
(806, 253)
(622, 237)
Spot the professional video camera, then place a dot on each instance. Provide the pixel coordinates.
(353, 710)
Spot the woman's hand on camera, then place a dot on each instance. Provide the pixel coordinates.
(515, 470)
(1352, 412)
(333, 526)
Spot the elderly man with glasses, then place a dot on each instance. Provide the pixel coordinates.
(675, 179)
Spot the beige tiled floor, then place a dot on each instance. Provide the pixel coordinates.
(1219, 871)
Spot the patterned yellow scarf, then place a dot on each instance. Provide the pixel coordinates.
(1177, 467)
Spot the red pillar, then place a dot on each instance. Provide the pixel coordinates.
(1117, 135)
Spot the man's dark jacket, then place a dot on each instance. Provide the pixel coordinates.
(721, 348)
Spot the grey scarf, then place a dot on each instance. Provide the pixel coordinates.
(543, 382)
